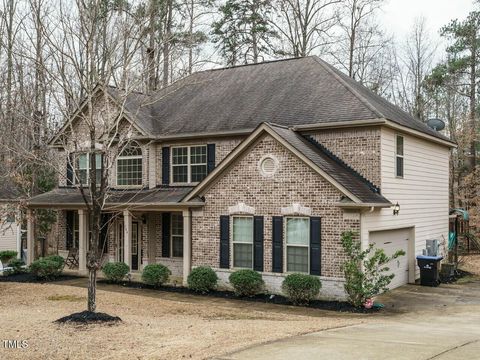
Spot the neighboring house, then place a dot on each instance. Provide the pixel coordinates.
(10, 218)
(262, 166)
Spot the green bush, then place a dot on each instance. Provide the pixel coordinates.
(246, 282)
(7, 255)
(16, 267)
(365, 270)
(301, 288)
(155, 274)
(47, 268)
(115, 271)
(202, 279)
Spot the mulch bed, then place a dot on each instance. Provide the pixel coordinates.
(29, 278)
(88, 317)
(341, 306)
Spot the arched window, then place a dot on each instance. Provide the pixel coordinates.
(129, 166)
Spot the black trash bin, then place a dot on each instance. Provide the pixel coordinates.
(429, 270)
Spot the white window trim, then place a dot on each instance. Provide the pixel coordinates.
(177, 236)
(399, 156)
(232, 242)
(76, 178)
(285, 266)
(116, 171)
(188, 164)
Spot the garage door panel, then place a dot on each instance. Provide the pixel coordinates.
(391, 241)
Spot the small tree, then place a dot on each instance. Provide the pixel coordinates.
(366, 273)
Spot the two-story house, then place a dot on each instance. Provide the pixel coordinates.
(261, 166)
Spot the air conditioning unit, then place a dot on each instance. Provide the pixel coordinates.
(432, 248)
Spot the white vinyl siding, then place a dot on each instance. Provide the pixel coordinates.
(8, 236)
(422, 194)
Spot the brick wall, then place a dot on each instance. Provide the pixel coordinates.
(358, 147)
(294, 182)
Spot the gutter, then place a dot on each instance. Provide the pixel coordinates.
(363, 205)
(165, 138)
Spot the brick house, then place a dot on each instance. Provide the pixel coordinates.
(259, 166)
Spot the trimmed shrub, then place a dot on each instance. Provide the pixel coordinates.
(301, 288)
(363, 283)
(155, 274)
(246, 282)
(202, 279)
(16, 267)
(47, 268)
(7, 255)
(115, 271)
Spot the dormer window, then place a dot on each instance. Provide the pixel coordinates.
(129, 166)
(189, 164)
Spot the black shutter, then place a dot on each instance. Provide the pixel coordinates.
(70, 170)
(277, 244)
(70, 216)
(315, 245)
(258, 243)
(224, 241)
(165, 165)
(210, 158)
(165, 234)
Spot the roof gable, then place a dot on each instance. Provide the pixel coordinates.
(339, 175)
(109, 94)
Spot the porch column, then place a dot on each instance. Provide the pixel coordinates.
(127, 238)
(187, 245)
(18, 224)
(30, 237)
(82, 241)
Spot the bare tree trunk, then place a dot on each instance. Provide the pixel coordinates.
(151, 66)
(190, 41)
(472, 105)
(166, 42)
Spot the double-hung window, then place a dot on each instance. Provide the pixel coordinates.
(189, 164)
(242, 239)
(129, 166)
(297, 243)
(82, 168)
(399, 160)
(177, 235)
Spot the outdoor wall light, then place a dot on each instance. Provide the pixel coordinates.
(396, 209)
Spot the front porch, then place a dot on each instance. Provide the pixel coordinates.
(133, 233)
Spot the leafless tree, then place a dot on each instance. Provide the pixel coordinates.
(304, 25)
(358, 33)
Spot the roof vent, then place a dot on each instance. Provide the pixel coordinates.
(268, 165)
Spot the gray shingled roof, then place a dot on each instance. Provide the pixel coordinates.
(73, 197)
(326, 161)
(8, 191)
(290, 92)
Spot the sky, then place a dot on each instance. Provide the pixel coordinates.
(399, 15)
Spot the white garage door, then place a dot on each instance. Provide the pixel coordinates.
(391, 241)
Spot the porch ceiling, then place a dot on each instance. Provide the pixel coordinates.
(71, 198)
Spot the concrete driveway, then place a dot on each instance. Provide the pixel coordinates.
(418, 323)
